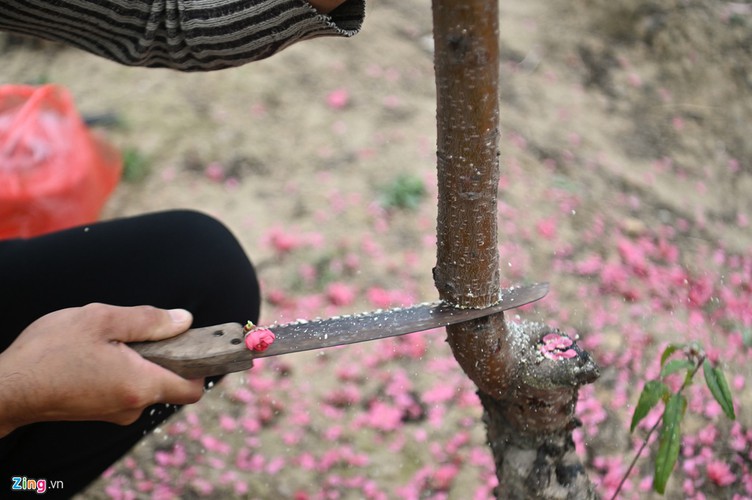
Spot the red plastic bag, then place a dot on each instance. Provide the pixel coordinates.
(54, 173)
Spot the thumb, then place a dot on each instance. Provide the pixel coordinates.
(144, 323)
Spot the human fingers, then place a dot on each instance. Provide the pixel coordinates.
(146, 384)
(169, 388)
(184, 392)
(146, 323)
(137, 323)
(175, 389)
(159, 385)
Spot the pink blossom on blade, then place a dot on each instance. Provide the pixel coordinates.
(259, 339)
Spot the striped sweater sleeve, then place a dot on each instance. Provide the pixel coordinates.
(187, 35)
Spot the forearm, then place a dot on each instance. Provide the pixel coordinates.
(182, 34)
(10, 398)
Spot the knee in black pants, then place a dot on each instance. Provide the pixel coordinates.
(176, 259)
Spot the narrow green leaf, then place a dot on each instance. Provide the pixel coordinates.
(719, 388)
(669, 441)
(670, 349)
(676, 365)
(747, 337)
(653, 391)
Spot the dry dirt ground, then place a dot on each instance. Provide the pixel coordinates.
(625, 158)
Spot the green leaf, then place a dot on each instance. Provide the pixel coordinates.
(405, 192)
(676, 365)
(653, 391)
(669, 441)
(670, 349)
(747, 337)
(135, 165)
(719, 388)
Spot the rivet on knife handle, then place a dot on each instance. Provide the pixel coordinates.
(215, 350)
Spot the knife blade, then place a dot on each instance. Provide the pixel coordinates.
(220, 349)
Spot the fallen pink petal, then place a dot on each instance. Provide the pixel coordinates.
(720, 473)
(338, 98)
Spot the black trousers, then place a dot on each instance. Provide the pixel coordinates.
(177, 259)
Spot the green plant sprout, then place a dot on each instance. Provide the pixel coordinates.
(675, 406)
(135, 165)
(404, 192)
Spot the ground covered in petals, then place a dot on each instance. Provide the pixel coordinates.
(626, 180)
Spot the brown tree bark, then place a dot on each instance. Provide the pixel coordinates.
(528, 396)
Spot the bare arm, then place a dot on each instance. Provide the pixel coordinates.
(73, 364)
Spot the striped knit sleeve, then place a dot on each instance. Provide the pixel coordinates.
(187, 35)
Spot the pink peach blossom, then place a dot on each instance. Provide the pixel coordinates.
(259, 339)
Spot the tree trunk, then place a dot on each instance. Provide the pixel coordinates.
(527, 374)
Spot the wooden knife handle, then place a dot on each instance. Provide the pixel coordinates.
(200, 352)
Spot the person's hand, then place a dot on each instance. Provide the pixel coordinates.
(73, 364)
